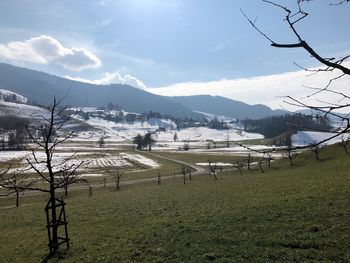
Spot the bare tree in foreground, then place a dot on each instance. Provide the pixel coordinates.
(328, 64)
(53, 173)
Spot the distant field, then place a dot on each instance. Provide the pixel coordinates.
(194, 158)
(298, 214)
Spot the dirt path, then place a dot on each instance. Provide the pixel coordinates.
(198, 169)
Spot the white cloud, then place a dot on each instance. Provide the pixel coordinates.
(268, 90)
(44, 49)
(105, 22)
(113, 78)
(227, 43)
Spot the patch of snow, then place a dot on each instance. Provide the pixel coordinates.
(6, 156)
(211, 116)
(217, 164)
(140, 159)
(9, 96)
(207, 134)
(91, 175)
(303, 138)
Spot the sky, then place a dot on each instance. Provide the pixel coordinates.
(170, 45)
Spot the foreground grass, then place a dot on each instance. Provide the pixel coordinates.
(287, 214)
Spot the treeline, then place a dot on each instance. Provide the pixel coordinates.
(13, 133)
(273, 126)
(144, 142)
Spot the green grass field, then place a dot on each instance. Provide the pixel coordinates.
(194, 158)
(298, 214)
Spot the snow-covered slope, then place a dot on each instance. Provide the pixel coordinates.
(121, 131)
(9, 96)
(302, 138)
(204, 134)
(8, 109)
(124, 131)
(211, 116)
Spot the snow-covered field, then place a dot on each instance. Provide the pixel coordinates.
(206, 134)
(91, 162)
(302, 138)
(121, 132)
(140, 159)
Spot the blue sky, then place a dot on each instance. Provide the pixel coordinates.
(162, 42)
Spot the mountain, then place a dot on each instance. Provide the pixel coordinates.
(226, 107)
(42, 87)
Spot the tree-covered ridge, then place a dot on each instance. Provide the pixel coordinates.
(275, 125)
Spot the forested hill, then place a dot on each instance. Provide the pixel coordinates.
(276, 125)
(41, 87)
(226, 107)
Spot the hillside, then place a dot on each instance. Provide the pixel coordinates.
(285, 215)
(226, 107)
(41, 87)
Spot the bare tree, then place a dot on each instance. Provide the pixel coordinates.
(269, 159)
(14, 183)
(290, 153)
(249, 161)
(329, 64)
(260, 165)
(52, 173)
(189, 174)
(316, 149)
(227, 140)
(184, 174)
(158, 178)
(101, 142)
(212, 168)
(175, 137)
(345, 142)
(239, 167)
(118, 176)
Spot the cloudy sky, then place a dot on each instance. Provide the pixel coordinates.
(181, 46)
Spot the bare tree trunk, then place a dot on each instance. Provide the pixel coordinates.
(239, 167)
(215, 177)
(260, 165)
(17, 198)
(184, 175)
(117, 184)
(54, 241)
(158, 179)
(249, 161)
(269, 158)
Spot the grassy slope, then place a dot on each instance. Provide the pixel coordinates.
(287, 214)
